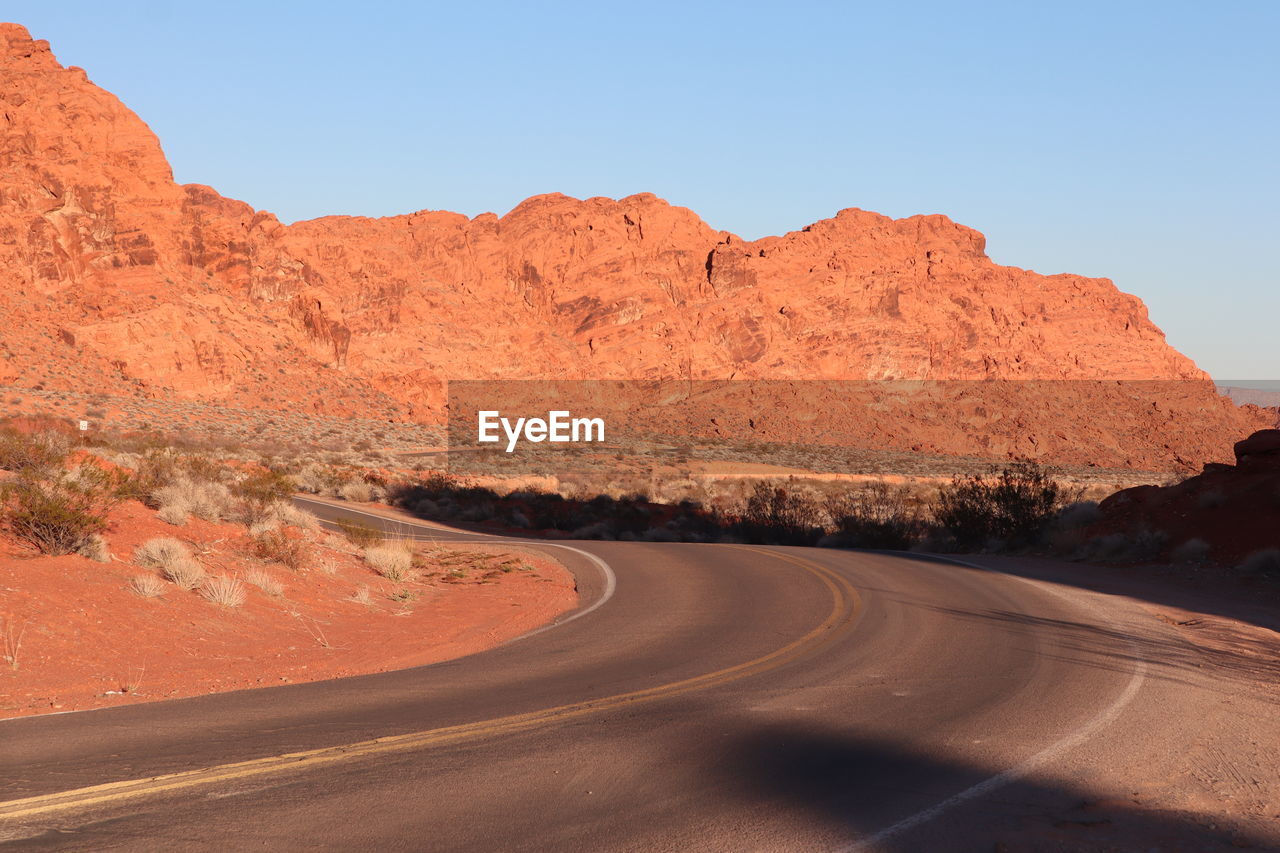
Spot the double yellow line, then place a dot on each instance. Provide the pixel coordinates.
(845, 606)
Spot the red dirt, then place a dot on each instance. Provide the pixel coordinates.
(88, 641)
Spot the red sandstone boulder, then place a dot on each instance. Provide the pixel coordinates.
(1263, 447)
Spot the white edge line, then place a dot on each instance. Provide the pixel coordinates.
(1073, 739)
(610, 579)
(610, 585)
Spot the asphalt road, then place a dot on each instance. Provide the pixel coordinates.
(703, 697)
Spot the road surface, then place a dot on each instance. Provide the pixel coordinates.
(702, 697)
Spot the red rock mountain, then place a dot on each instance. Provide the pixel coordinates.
(115, 278)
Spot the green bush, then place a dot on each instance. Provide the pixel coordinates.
(60, 515)
(1014, 507)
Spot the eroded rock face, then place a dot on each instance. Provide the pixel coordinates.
(116, 278)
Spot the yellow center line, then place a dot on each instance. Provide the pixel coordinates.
(844, 607)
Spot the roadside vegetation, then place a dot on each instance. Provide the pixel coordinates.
(63, 485)
(59, 490)
(1020, 506)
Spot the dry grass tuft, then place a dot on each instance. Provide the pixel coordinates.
(204, 499)
(362, 596)
(12, 637)
(172, 558)
(258, 528)
(175, 514)
(360, 535)
(286, 513)
(263, 581)
(224, 590)
(392, 560)
(357, 491)
(95, 548)
(148, 585)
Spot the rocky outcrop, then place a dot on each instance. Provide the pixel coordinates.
(1260, 450)
(1234, 510)
(114, 277)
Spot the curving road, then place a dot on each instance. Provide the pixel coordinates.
(703, 697)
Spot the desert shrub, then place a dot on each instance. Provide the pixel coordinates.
(660, 534)
(95, 548)
(1191, 551)
(774, 515)
(121, 458)
(258, 493)
(1211, 499)
(203, 468)
(357, 491)
(1265, 562)
(277, 545)
(40, 451)
(206, 499)
(224, 590)
(159, 467)
(152, 470)
(1014, 507)
(312, 479)
(59, 516)
(211, 502)
(1147, 544)
(285, 512)
(876, 516)
(360, 535)
(265, 487)
(598, 530)
(158, 552)
(392, 560)
(260, 527)
(172, 558)
(148, 585)
(175, 514)
(263, 581)
(1076, 515)
(1065, 534)
(444, 490)
(1111, 546)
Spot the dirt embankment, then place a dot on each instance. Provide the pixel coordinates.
(76, 635)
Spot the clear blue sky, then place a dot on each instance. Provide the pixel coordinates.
(1133, 140)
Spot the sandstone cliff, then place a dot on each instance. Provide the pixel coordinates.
(113, 277)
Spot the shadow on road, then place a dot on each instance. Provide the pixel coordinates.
(860, 788)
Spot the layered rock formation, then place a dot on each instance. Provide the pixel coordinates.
(114, 277)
